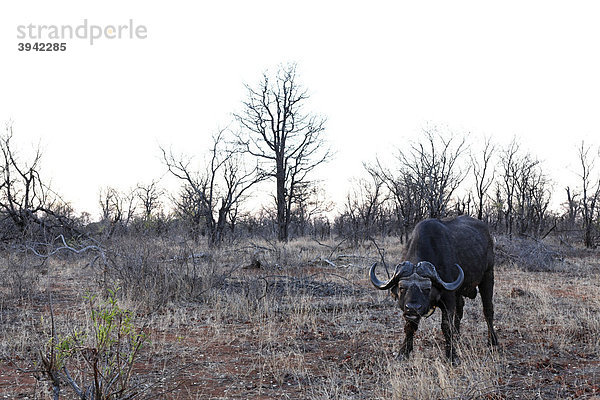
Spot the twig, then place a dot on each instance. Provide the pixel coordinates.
(73, 384)
(322, 244)
(50, 363)
(551, 229)
(336, 247)
(381, 254)
(192, 257)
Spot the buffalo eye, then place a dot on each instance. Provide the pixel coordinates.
(399, 292)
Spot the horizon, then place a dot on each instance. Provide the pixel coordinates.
(379, 76)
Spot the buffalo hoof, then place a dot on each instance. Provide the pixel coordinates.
(453, 358)
(402, 356)
(455, 361)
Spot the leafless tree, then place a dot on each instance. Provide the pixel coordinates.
(508, 187)
(149, 196)
(405, 194)
(527, 179)
(524, 192)
(287, 140)
(483, 172)
(23, 193)
(534, 202)
(211, 197)
(496, 209)
(462, 204)
(118, 209)
(28, 206)
(425, 177)
(572, 206)
(433, 164)
(590, 193)
(309, 203)
(364, 206)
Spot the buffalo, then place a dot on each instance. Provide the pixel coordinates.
(444, 261)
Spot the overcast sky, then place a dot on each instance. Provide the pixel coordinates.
(379, 71)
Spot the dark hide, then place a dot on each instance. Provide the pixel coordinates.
(444, 247)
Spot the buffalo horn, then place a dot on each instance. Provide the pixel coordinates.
(384, 285)
(433, 274)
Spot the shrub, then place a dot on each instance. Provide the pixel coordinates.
(102, 356)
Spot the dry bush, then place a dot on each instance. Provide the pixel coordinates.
(22, 282)
(532, 255)
(20, 275)
(156, 272)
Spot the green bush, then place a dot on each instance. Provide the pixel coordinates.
(98, 362)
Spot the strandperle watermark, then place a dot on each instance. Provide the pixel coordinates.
(89, 32)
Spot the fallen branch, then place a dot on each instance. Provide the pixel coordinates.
(332, 264)
(332, 248)
(65, 246)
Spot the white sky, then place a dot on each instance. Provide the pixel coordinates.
(379, 71)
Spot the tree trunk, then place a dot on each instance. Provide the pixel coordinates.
(282, 231)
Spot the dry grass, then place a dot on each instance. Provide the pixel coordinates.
(307, 324)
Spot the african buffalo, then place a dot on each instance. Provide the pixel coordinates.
(444, 261)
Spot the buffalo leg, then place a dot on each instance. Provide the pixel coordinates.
(409, 333)
(486, 290)
(460, 303)
(448, 328)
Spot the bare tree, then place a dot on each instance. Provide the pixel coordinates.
(211, 197)
(540, 193)
(572, 206)
(496, 209)
(364, 206)
(309, 203)
(405, 194)
(425, 177)
(462, 205)
(508, 186)
(523, 193)
(118, 208)
(483, 172)
(23, 193)
(28, 206)
(434, 166)
(527, 179)
(590, 193)
(287, 140)
(149, 196)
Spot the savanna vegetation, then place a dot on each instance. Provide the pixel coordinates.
(197, 294)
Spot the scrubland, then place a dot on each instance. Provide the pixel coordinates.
(263, 320)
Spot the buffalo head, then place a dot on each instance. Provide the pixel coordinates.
(416, 287)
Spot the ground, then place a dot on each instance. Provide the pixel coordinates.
(306, 323)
